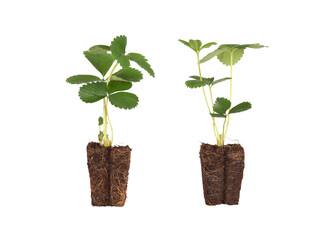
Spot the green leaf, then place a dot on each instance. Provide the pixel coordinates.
(100, 136)
(208, 80)
(100, 121)
(207, 45)
(98, 49)
(195, 45)
(225, 57)
(118, 45)
(117, 48)
(221, 105)
(195, 83)
(101, 61)
(238, 52)
(195, 77)
(222, 115)
(212, 54)
(124, 100)
(220, 80)
(115, 78)
(124, 61)
(185, 43)
(129, 74)
(254, 45)
(142, 62)
(78, 79)
(93, 92)
(115, 86)
(223, 52)
(241, 107)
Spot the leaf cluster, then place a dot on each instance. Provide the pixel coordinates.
(196, 45)
(222, 105)
(197, 82)
(224, 51)
(103, 57)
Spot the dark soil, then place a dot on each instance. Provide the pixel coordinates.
(109, 170)
(222, 173)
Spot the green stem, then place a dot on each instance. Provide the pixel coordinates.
(106, 141)
(111, 73)
(223, 139)
(204, 94)
(214, 122)
(111, 127)
(228, 116)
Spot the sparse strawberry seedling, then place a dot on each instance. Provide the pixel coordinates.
(109, 165)
(222, 165)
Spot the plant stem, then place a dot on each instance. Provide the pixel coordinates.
(111, 127)
(228, 116)
(223, 139)
(106, 141)
(214, 122)
(111, 73)
(204, 94)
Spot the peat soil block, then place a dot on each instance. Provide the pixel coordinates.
(222, 173)
(109, 170)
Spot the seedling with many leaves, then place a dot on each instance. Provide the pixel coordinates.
(112, 88)
(229, 55)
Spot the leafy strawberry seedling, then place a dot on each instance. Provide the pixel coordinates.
(113, 88)
(229, 55)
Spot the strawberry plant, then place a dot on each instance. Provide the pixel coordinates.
(229, 55)
(111, 88)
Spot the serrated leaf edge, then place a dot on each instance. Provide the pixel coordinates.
(124, 107)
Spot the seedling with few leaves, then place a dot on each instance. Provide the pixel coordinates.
(112, 88)
(229, 55)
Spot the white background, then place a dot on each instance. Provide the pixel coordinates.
(44, 182)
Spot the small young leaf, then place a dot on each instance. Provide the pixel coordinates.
(241, 107)
(93, 92)
(100, 136)
(195, 45)
(221, 105)
(195, 83)
(78, 79)
(222, 115)
(118, 46)
(186, 44)
(100, 121)
(212, 54)
(219, 80)
(207, 45)
(115, 86)
(129, 74)
(98, 49)
(124, 100)
(142, 62)
(101, 62)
